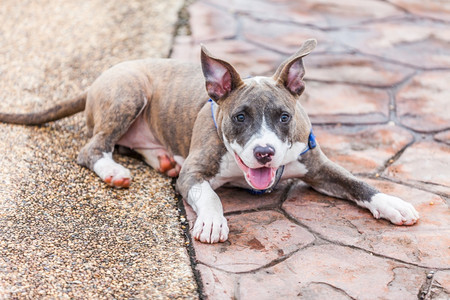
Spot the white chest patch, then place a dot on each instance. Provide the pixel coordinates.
(229, 172)
(294, 153)
(294, 169)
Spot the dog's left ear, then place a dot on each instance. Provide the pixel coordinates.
(221, 78)
(290, 73)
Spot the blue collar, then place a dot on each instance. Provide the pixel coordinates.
(311, 145)
(311, 142)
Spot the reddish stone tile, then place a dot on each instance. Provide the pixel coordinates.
(439, 9)
(326, 13)
(269, 10)
(362, 150)
(248, 59)
(342, 103)
(343, 13)
(354, 68)
(443, 137)
(217, 285)
(425, 243)
(236, 199)
(440, 288)
(416, 43)
(335, 271)
(423, 104)
(255, 240)
(184, 48)
(319, 290)
(282, 37)
(239, 200)
(208, 22)
(426, 164)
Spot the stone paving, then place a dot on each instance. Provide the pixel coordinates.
(378, 96)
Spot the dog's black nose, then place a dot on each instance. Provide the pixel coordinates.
(263, 154)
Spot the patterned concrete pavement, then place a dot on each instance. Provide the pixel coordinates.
(378, 95)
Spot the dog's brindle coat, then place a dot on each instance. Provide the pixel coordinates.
(158, 108)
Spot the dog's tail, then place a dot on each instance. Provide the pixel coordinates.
(56, 112)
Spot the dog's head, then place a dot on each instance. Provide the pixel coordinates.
(261, 122)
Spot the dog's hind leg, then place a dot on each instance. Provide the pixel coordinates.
(109, 125)
(141, 139)
(161, 160)
(97, 156)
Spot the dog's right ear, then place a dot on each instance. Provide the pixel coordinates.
(290, 73)
(220, 77)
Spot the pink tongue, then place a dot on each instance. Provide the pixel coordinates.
(261, 178)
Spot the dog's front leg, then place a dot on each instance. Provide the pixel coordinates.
(211, 225)
(193, 184)
(331, 179)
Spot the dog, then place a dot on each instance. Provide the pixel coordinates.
(249, 133)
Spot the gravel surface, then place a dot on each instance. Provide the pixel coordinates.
(64, 233)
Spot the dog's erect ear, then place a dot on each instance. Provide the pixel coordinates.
(290, 73)
(221, 78)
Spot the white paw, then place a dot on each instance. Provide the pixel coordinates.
(391, 208)
(210, 228)
(111, 172)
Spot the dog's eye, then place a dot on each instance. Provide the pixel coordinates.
(285, 117)
(239, 118)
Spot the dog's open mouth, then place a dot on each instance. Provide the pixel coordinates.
(259, 178)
